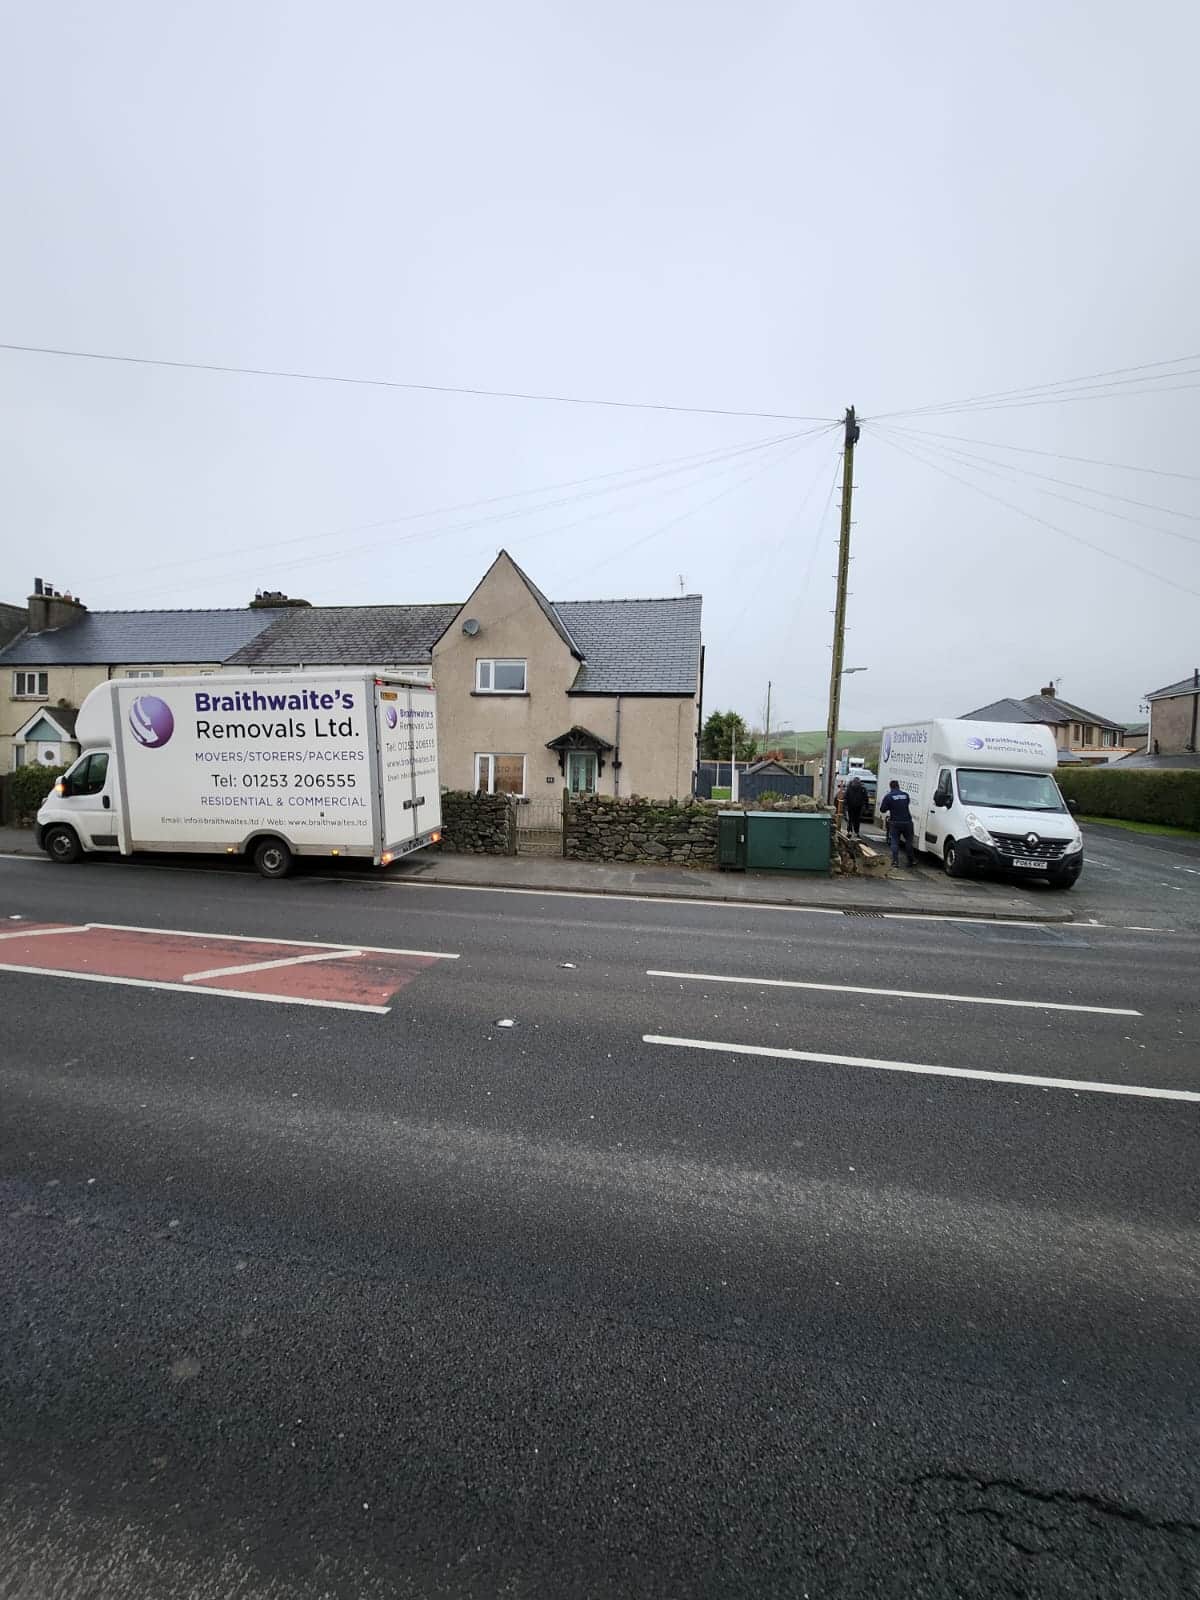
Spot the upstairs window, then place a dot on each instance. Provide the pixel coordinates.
(31, 685)
(146, 672)
(500, 677)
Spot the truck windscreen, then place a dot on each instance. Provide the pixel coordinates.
(1014, 791)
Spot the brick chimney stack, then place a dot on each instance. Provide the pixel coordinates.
(1049, 691)
(46, 608)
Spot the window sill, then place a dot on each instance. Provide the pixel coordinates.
(499, 694)
(35, 697)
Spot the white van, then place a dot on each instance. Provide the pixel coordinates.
(266, 765)
(983, 796)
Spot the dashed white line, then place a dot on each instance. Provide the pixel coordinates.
(822, 1058)
(895, 994)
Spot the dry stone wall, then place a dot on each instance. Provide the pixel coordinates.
(600, 828)
(479, 824)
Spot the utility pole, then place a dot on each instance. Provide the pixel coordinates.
(767, 729)
(839, 615)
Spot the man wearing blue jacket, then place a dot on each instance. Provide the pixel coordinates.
(896, 806)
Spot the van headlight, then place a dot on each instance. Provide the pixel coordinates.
(977, 829)
(1075, 845)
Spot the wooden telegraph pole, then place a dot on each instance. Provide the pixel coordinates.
(839, 615)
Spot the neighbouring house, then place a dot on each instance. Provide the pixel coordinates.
(1080, 735)
(1171, 739)
(601, 696)
(63, 650)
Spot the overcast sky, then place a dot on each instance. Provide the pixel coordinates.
(766, 207)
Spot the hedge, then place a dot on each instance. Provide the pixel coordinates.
(1171, 799)
(28, 787)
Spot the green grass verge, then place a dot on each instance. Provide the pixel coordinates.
(1142, 827)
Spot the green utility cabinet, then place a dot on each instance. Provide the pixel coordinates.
(787, 841)
(731, 841)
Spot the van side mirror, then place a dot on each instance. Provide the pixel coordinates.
(1072, 805)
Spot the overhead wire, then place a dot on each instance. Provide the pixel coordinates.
(392, 383)
(1032, 516)
(1053, 455)
(1000, 468)
(1042, 388)
(670, 465)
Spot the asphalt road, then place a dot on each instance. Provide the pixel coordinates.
(308, 1302)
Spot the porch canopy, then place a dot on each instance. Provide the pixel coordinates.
(579, 739)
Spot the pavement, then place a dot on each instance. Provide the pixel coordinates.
(609, 1247)
(924, 890)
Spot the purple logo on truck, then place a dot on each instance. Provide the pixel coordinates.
(975, 744)
(887, 745)
(151, 721)
(389, 716)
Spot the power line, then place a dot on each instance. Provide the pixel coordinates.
(998, 468)
(671, 464)
(1054, 400)
(1055, 455)
(1033, 517)
(391, 383)
(1041, 388)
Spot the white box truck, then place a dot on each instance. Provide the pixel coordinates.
(983, 796)
(266, 765)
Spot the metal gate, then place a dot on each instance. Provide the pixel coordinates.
(540, 827)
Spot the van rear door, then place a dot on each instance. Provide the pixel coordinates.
(410, 796)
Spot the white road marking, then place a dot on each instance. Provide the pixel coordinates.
(599, 894)
(281, 939)
(896, 994)
(32, 933)
(188, 988)
(267, 966)
(1195, 871)
(824, 1058)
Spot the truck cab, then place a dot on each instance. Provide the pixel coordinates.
(81, 812)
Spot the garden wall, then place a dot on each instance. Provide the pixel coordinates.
(600, 828)
(479, 824)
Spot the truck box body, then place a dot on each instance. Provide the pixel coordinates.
(330, 763)
(983, 795)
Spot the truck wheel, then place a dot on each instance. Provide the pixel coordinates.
(62, 845)
(955, 861)
(273, 858)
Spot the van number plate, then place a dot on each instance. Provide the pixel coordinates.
(1023, 861)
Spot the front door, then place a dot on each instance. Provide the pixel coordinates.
(581, 771)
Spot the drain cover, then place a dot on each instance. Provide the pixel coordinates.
(853, 913)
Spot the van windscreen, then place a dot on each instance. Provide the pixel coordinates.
(1013, 791)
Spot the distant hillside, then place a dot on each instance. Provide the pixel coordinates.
(812, 743)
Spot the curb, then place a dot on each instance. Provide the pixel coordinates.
(872, 908)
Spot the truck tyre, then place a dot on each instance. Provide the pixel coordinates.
(62, 845)
(273, 858)
(955, 860)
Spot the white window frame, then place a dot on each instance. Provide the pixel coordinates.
(37, 692)
(485, 762)
(145, 672)
(485, 674)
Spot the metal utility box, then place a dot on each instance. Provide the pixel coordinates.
(731, 841)
(787, 841)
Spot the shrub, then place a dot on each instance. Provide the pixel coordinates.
(29, 786)
(1170, 799)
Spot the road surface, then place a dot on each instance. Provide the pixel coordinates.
(322, 1281)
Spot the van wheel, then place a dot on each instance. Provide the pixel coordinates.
(62, 844)
(273, 858)
(955, 860)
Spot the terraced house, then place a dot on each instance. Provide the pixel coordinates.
(598, 696)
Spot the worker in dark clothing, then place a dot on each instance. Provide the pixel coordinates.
(855, 803)
(896, 806)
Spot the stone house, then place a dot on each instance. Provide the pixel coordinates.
(600, 696)
(1174, 718)
(1080, 735)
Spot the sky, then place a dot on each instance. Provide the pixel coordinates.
(776, 208)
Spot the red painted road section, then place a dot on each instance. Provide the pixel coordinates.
(342, 976)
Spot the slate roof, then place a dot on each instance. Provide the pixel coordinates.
(104, 638)
(635, 646)
(1038, 708)
(343, 636)
(1184, 686)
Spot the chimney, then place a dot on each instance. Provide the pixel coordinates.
(47, 609)
(1049, 691)
(267, 599)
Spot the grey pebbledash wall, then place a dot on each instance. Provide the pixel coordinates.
(479, 824)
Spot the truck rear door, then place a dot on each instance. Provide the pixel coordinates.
(410, 795)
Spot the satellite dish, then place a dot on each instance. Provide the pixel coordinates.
(471, 627)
